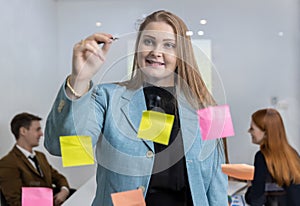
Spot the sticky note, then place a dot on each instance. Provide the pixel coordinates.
(37, 196)
(239, 171)
(156, 126)
(128, 198)
(215, 122)
(76, 150)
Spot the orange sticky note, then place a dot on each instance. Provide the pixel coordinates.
(76, 150)
(239, 171)
(156, 126)
(128, 198)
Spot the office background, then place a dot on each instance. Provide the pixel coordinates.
(255, 50)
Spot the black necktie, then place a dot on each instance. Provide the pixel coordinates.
(36, 164)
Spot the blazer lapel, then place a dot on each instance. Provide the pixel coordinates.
(24, 159)
(188, 121)
(44, 166)
(133, 107)
(41, 163)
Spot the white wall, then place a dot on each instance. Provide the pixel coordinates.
(29, 76)
(27, 61)
(253, 62)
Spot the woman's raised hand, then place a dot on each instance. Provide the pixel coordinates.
(88, 56)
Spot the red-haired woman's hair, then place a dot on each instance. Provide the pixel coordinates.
(282, 160)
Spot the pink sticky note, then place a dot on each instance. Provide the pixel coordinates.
(128, 198)
(37, 196)
(215, 122)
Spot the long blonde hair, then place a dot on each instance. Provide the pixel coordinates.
(187, 68)
(189, 78)
(282, 160)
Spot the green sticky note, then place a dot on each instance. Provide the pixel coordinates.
(156, 126)
(76, 150)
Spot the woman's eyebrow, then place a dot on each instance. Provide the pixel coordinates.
(152, 37)
(169, 40)
(149, 36)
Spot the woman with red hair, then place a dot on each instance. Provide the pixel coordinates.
(277, 163)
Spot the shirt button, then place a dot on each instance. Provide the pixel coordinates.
(149, 154)
(142, 188)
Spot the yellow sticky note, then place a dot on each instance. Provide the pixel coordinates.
(156, 126)
(76, 150)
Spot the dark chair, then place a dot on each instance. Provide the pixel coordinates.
(56, 190)
(271, 198)
(72, 190)
(2, 199)
(276, 198)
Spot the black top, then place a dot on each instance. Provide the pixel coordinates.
(169, 173)
(257, 196)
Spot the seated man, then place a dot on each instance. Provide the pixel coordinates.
(24, 167)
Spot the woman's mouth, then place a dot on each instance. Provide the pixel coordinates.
(154, 63)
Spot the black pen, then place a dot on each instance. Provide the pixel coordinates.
(112, 38)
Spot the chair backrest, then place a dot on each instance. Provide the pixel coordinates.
(276, 198)
(2, 199)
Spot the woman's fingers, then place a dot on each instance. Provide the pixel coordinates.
(84, 47)
(96, 51)
(101, 38)
(99, 53)
(91, 44)
(88, 54)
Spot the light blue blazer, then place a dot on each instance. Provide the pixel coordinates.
(111, 115)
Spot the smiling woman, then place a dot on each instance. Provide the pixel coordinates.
(256, 133)
(157, 55)
(165, 78)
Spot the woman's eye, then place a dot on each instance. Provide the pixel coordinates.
(148, 42)
(169, 45)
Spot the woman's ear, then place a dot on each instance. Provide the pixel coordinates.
(265, 135)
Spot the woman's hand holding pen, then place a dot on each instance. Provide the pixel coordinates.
(88, 56)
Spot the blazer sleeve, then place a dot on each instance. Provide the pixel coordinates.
(256, 195)
(10, 181)
(217, 192)
(56, 178)
(73, 117)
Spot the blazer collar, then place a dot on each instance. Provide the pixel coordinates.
(25, 159)
(25, 152)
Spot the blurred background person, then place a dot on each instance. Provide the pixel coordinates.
(25, 167)
(277, 164)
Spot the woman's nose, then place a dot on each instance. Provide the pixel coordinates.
(156, 51)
